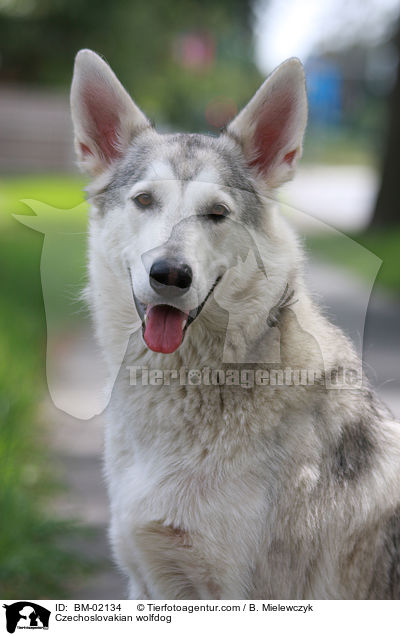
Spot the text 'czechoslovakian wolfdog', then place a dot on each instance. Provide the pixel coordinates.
(244, 457)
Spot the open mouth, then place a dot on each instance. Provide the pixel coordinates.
(163, 326)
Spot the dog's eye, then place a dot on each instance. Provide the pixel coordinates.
(143, 200)
(217, 212)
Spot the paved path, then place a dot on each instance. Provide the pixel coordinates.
(77, 444)
(341, 196)
(342, 294)
(77, 453)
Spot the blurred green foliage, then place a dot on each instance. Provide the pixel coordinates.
(342, 147)
(383, 242)
(144, 42)
(33, 561)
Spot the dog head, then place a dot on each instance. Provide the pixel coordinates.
(173, 213)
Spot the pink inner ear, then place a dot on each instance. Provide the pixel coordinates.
(104, 122)
(271, 132)
(289, 157)
(85, 150)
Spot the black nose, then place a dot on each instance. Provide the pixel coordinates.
(170, 278)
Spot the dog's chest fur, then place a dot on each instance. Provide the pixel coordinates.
(202, 465)
(231, 487)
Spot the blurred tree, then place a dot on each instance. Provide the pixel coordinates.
(387, 208)
(175, 57)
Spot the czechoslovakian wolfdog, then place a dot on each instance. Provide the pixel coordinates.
(276, 488)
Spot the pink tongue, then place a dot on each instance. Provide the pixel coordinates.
(164, 330)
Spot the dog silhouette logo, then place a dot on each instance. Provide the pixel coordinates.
(26, 615)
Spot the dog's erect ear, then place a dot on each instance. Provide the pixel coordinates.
(104, 116)
(271, 127)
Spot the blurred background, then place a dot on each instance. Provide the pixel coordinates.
(191, 65)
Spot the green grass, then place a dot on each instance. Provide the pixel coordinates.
(34, 563)
(338, 147)
(62, 192)
(384, 243)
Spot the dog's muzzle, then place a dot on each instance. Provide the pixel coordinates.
(164, 326)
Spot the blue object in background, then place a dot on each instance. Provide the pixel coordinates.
(324, 87)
